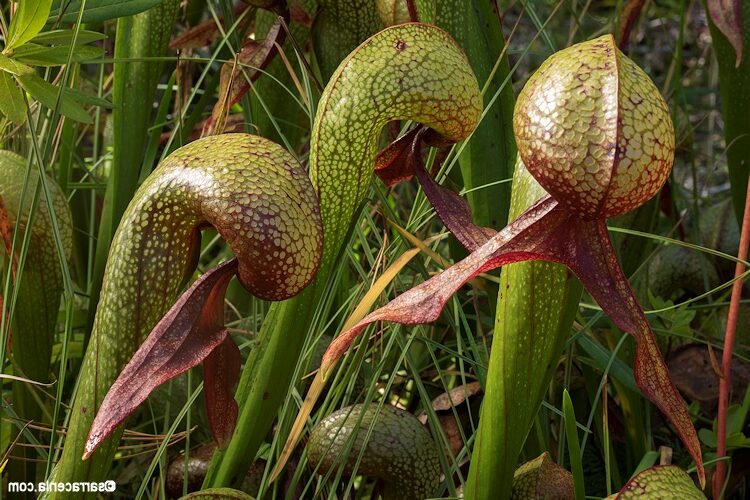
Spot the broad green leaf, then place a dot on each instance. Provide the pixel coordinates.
(46, 93)
(676, 319)
(65, 37)
(735, 440)
(12, 104)
(39, 55)
(707, 437)
(14, 67)
(84, 98)
(737, 414)
(97, 11)
(28, 20)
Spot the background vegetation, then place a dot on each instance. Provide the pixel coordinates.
(677, 250)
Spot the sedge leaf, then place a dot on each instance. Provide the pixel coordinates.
(88, 99)
(67, 37)
(648, 460)
(12, 104)
(97, 11)
(574, 447)
(46, 93)
(28, 20)
(40, 55)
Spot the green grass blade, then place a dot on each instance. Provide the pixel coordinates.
(574, 447)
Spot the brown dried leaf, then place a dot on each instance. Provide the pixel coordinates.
(630, 13)
(727, 16)
(221, 371)
(237, 74)
(695, 377)
(299, 15)
(456, 396)
(203, 34)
